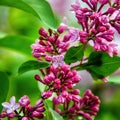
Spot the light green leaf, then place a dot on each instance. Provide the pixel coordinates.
(100, 64)
(32, 65)
(17, 43)
(55, 115)
(38, 8)
(74, 54)
(4, 87)
(114, 80)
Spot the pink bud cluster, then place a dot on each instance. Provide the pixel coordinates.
(60, 84)
(49, 44)
(87, 106)
(23, 110)
(59, 80)
(98, 25)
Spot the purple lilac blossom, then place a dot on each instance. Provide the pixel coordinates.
(97, 25)
(12, 106)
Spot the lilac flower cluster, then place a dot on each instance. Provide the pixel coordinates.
(48, 45)
(98, 27)
(23, 110)
(98, 24)
(60, 87)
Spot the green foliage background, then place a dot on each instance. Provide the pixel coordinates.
(18, 30)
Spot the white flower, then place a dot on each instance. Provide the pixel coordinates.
(10, 107)
(58, 60)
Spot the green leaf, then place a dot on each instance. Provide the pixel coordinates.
(32, 65)
(100, 64)
(38, 8)
(17, 43)
(55, 115)
(114, 80)
(4, 87)
(74, 54)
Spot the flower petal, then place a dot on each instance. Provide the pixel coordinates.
(16, 106)
(9, 111)
(12, 100)
(6, 105)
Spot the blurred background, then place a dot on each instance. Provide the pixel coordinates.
(18, 25)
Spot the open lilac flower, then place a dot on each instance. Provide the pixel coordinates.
(58, 60)
(12, 106)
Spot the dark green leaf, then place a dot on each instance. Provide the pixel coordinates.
(55, 115)
(100, 64)
(38, 8)
(4, 87)
(114, 80)
(32, 65)
(17, 43)
(74, 54)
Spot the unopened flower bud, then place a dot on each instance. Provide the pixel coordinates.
(24, 101)
(43, 32)
(25, 118)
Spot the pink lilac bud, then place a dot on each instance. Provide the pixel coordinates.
(37, 115)
(43, 32)
(25, 118)
(87, 116)
(117, 26)
(67, 37)
(49, 78)
(103, 2)
(83, 37)
(111, 10)
(114, 20)
(39, 103)
(75, 98)
(11, 115)
(47, 94)
(37, 77)
(65, 93)
(61, 28)
(42, 109)
(29, 107)
(107, 35)
(3, 114)
(94, 3)
(51, 39)
(58, 100)
(48, 58)
(105, 79)
(58, 111)
(24, 101)
(76, 92)
(102, 29)
(112, 50)
(117, 2)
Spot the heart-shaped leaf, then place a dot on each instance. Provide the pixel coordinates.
(100, 64)
(74, 54)
(32, 65)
